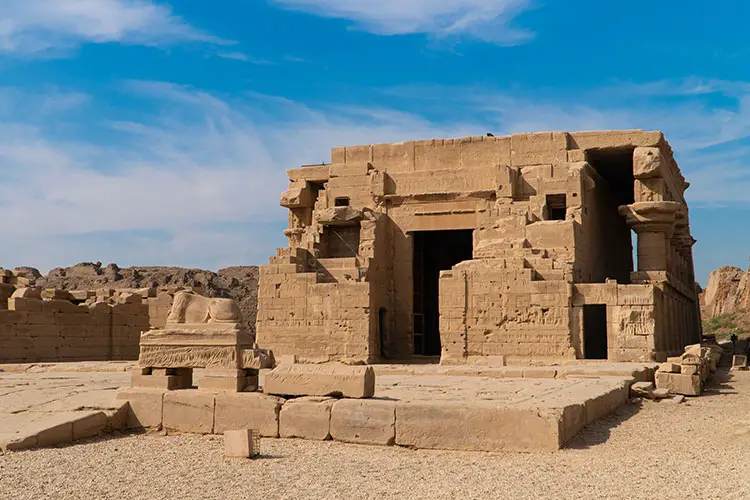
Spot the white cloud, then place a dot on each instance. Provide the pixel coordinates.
(194, 183)
(488, 20)
(49, 27)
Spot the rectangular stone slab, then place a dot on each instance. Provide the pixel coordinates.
(307, 418)
(330, 379)
(146, 407)
(189, 411)
(365, 421)
(249, 410)
(477, 426)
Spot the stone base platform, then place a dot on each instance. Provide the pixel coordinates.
(446, 412)
(47, 408)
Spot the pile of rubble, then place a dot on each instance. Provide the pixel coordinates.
(688, 373)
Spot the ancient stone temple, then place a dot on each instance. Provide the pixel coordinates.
(530, 247)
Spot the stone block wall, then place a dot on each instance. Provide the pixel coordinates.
(546, 211)
(34, 330)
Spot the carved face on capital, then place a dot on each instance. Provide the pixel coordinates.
(647, 162)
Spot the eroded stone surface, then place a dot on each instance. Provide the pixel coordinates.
(327, 379)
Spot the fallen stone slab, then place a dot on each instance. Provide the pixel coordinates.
(364, 421)
(329, 379)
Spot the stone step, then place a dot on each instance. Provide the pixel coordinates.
(37, 429)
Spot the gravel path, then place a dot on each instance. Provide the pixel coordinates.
(699, 449)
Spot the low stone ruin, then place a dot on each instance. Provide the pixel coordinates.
(688, 373)
(49, 325)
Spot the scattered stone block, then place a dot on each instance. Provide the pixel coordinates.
(661, 393)
(669, 367)
(243, 443)
(307, 417)
(189, 411)
(677, 383)
(643, 389)
(248, 410)
(688, 370)
(146, 407)
(367, 421)
(331, 379)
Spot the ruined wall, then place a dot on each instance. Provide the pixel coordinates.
(542, 219)
(34, 330)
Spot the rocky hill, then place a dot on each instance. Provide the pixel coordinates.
(725, 303)
(239, 283)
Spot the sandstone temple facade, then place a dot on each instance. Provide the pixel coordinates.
(486, 249)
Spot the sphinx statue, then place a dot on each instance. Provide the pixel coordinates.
(200, 332)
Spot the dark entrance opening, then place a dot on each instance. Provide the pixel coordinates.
(615, 186)
(434, 251)
(595, 331)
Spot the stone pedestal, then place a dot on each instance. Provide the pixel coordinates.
(200, 333)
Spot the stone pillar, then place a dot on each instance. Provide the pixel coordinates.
(653, 221)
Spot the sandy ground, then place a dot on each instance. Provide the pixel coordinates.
(698, 449)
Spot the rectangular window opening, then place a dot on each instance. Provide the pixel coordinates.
(556, 207)
(341, 202)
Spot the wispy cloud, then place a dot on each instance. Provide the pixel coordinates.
(489, 20)
(195, 182)
(51, 27)
(240, 56)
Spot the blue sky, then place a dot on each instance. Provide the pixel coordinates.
(158, 133)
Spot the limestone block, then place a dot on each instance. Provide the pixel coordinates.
(58, 434)
(478, 426)
(676, 383)
(397, 157)
(146, 407)
(171, 379)
(307, 417)
(669, 367)
(189, 411)
(368, 421)
(24, 304)
(330, 379)
(90, 424)
(28, 293)
(647, 162)
(228, 380)
(248, 410)
(240, 443)
(642, 388)
(542, 148)
(688, 370)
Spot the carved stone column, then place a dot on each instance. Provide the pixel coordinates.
(654, 222)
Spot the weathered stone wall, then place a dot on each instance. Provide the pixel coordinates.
(34, 330)
(515, 298)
